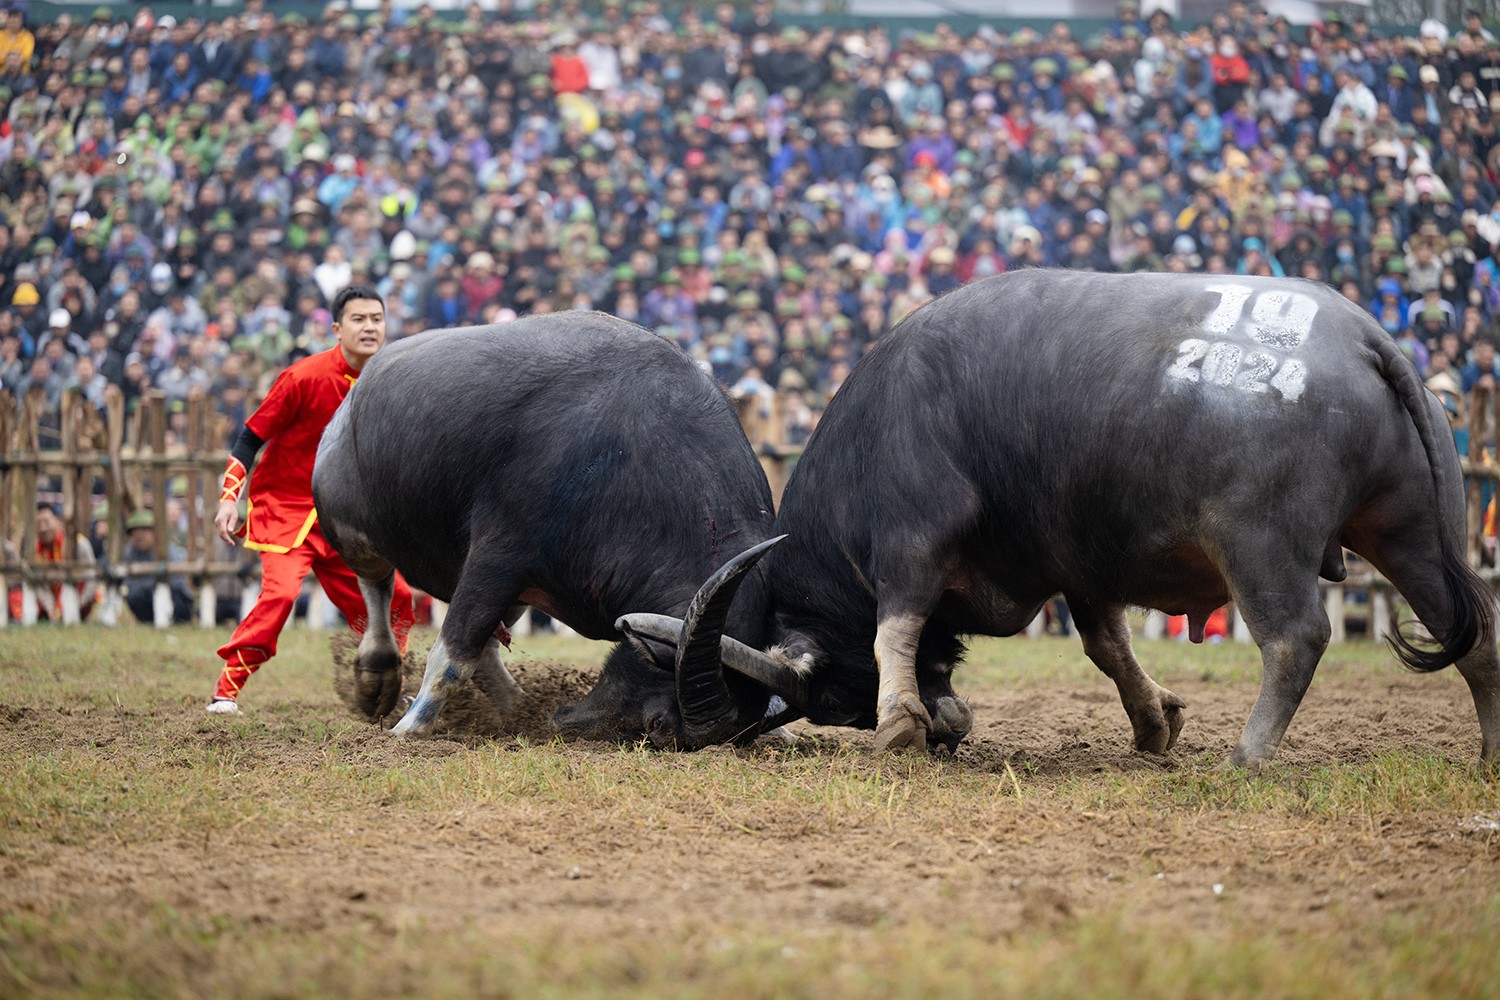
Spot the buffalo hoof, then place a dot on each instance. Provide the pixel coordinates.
(951, 722)
(417, 721)
(376, 691)
(904, 724)
(1244, 761)
(1158, 725)
(498, 686)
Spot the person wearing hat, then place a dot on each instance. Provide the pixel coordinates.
(140, 589)
(24, 305)
(281, 522)
(748, 313)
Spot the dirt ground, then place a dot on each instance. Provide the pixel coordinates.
(519, 863)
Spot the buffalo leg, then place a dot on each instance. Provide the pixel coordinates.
(377, 668)
(465, 645)
(1481, 670)
(446, 673)
(1288, 623)
(1417, 575)
(902, 722)
(1156, 714)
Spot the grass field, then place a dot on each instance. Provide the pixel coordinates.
(147, 850)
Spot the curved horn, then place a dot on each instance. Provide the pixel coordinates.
(702, 696)
(742, 659)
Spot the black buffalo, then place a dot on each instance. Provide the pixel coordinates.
(1165, 441)
(571, 462)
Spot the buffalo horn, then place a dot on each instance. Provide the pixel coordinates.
(702, 695)
(742, 659)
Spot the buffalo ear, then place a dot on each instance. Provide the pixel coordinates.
(776, 675)
(650, 649)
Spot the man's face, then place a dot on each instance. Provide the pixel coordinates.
(47, 525)
(360, 330)
(142, 539)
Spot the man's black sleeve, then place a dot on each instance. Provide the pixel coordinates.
(246, 447)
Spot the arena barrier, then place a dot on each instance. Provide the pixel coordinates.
(178, 453)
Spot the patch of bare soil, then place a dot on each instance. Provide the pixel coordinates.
(989, 862)
(471, 712)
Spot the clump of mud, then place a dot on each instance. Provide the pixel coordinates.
(470, 711)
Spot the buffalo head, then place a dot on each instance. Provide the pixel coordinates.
(667, 681)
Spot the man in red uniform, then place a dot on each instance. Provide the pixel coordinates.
(281, 522)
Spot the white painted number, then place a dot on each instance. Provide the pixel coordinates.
(1291, 380)
(1189, 353)
(1231, 304)
(1279, 319)
(1282, 319)
(1220, 364)
(1258, 367)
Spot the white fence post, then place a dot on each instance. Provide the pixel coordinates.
(1333, 603)
(208, 605)
(161, 604)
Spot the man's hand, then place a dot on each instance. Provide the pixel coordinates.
(227, 520)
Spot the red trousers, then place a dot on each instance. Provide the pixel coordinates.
(254, 641)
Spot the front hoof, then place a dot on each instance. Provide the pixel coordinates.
(1244, 761)
(1175, 710)
(376, 691)
(416, 722)
(904, 724)
(1157, 728)
(498, 686)
(951, 722)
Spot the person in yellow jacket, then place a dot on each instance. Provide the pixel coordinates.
(16, 38)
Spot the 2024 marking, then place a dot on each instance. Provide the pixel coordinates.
(1278, 319)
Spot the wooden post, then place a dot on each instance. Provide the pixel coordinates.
(28, 604)
(1333, 602)
(196, 405)
(1478, 418)
(155, 405)
(247, 598)
(161, 604)
(67, 601)
(31, 444)
(1037, 627)
(1238, 630)
(317, 606)
(210, 463)
(208, 603)
(1380, 612)
(7, 496)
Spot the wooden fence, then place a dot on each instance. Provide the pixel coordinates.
(129, 464)
(136, 462)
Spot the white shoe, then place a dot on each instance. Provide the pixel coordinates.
(223, 706)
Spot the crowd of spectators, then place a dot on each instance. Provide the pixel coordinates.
(181, 199)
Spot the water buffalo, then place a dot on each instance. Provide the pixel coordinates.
(1166, 441)
(572, 462)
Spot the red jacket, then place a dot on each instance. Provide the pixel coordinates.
(291, 422)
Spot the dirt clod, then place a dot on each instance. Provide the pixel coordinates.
(470, 711)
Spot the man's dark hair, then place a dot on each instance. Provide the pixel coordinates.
(349, 294)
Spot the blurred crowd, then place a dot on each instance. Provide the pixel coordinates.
(181, 199)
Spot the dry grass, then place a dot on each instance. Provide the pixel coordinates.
(146, 850)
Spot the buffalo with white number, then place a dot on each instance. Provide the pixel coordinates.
(1166, 441)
